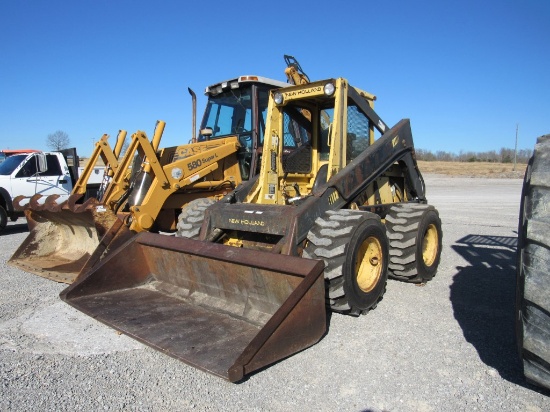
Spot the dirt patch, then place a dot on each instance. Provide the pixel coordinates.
(474, 169)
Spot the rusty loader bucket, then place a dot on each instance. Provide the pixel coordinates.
(62, 237)
(224, 310)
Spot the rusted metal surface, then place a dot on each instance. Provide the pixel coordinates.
(224, 310)
(257, 218)
(49, 203)
(62, 236)
(118, 234)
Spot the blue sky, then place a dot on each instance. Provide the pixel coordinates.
(465, 72)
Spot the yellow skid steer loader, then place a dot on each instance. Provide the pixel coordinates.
(337, 189)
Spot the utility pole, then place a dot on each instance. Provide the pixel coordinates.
(516, 148)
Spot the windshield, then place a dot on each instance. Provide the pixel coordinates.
(228, 113)
(10, 164)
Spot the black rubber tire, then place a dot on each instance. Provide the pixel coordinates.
(191, 218)
(3, 218)
(415, 235)
(337, 238)
(533, 263)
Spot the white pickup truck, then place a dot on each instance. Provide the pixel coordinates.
(45, 173)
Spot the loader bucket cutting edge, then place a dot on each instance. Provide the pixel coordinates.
(224, 310)
(60, 242)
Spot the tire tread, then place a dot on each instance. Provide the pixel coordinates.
(328, 240)
(191, 218)
(533, 279)
(402, 223)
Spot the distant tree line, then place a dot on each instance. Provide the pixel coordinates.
(504, 155)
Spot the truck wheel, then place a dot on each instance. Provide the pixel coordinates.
(3, 218)
(354, 246)
(415, 235)
(191, 218)
(532, 276)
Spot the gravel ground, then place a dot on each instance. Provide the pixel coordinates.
(448, 345)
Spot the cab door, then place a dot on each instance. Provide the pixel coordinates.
(28, 180)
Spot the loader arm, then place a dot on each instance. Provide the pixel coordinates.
(187, 175)
(140, 145)
(294, 72)
(396, 145)
(108, 156)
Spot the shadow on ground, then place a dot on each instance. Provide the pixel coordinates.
(483, 299)
(15, 228)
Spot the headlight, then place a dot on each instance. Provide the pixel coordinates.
(177, 173)
(278, 98)
(329, 89)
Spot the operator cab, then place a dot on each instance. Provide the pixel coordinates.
(238, 107)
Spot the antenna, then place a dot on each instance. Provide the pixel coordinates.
(516, 148)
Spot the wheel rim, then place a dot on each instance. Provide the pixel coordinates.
(430, 245)
(368, 264)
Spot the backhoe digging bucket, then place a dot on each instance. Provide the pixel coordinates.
(224, 310)
(62, 237)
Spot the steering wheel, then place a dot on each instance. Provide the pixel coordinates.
(245, 139)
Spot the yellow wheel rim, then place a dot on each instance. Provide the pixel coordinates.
(430, 245)
(368, 264)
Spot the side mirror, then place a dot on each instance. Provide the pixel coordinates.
(42, 165)
(207, 132)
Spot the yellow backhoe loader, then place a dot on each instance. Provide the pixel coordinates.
(338, 205)
(68, 238)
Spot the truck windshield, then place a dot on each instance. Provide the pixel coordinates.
(228, 113)
(10, 164)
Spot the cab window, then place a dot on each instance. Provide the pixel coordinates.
(54, 169)
(358, 132)
(297, 149)
(228, 113)
(29, 168)
(10, 164)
